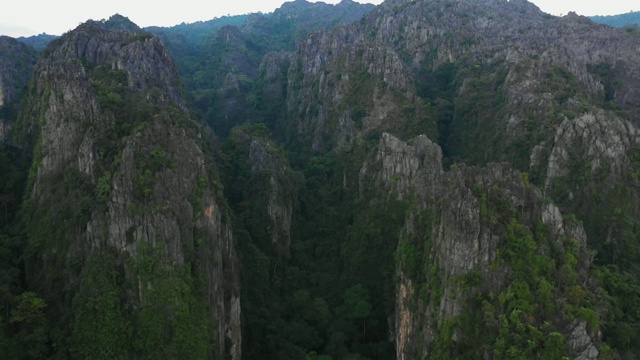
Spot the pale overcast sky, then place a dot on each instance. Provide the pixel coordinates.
(31, 17)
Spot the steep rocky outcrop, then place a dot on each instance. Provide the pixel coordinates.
(262, 190)
(537, 68)
(140, 55)
(123, 186)
(534, 38)
(342, 88)
(602, 141)
(462, 242)
(235, 51)
(273, 76)
(406, 169)
(489, 81)
(448, 70)
(280, 185)
(592, 172)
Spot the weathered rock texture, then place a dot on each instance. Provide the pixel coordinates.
(405, 169)
(601, 140)
(457, 226)
(593, 171)
(342, 88)
(119, 169)
(512, 83)
(524, 87)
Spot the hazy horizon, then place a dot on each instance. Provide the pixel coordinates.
(22, 20)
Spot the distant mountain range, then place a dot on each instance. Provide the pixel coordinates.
(622, 20)
(195, 32)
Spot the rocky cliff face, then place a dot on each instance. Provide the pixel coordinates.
(236, 51)
(461, 243)
(262, 190)
(592, 172)
(538, 68)
(518, 96)
(281, 192)
(122, 184)
(602, 140)
(400, 169)
(342, 88)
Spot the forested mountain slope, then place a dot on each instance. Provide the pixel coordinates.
(126, 242)
(488, 81)
(220, 71)
(429, 179)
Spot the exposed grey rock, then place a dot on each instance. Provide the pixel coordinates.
(414, 169)
(140, 55)
(273, 70)
(544, 66)
(342, 88)
(153, 183)
(580, 342)
(466, 236)
(598, 138)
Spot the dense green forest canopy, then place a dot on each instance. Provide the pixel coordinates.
(341, 253)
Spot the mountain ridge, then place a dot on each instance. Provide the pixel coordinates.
(430, 179)
(109, 123)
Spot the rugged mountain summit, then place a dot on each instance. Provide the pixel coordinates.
(488, 81)
(232, 54)
(127, 238)
(541, 68)
(341, 89)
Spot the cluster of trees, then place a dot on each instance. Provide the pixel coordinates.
(330, 294)
(23, 324)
